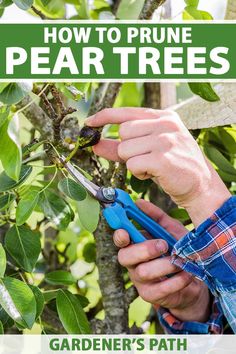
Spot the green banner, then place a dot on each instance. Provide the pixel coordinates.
(118, 51)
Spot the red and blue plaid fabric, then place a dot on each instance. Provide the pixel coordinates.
(209, 252)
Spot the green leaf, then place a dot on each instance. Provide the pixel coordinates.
(140, 186)
(3, 261)
(39, 298)
(10, 148)
(7, 183)
(72, 189)
(18, 301)
(71, 313)
(204, 90)
(88, 210)
(83, 300)
(82, 9)
(53, 9)
(228, 138)
(50, 295)
(24, 4)
(1, 328)
(24, 246)
(26, 206)
(206, 16)
(89, 252)
(6, 200)
(1, 14)
(4, 114)
(56, 209)
(4, 318)
(5, 3)
(193, 3)
(3, 84)
(59, 277)
(15, 92)
(219, 160)
(130, 9)
(179, 214)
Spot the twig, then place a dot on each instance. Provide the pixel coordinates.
(149, 7)
(39, 13)
(115, 5)
(130, 295)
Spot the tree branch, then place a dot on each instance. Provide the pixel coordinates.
(149, 7)
(38, 118)
(130, 295)
(115, 5)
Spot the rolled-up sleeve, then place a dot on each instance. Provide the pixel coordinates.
(209, 252)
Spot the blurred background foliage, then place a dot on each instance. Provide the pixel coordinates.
(36, 285)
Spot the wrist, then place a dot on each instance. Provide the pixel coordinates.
(209, 197)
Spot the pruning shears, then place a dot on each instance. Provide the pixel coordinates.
(119, 208)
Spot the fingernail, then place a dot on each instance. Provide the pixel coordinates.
(161, 246)
(89, 120)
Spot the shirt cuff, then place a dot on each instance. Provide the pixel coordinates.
(172, 325)
(209, 252)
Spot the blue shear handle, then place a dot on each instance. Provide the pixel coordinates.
(133, 212)
(116, 218)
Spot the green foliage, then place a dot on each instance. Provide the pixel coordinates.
(10, 149)
(89, 252)
(88, 211)
(7, 183)
(204, 90)
(18, 301)
(42, 198)
(3, 261)
(6, 200)
(14, 92)
(71, 313)
(24, 4)
(59, 277)
(72, 189)
(56, 209)
(39, 298)
(140, 186)
(53, 9)
(26, 206)
(23, 245)
(5, 3)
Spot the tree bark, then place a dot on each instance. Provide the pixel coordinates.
(149, 7)
(231, 10)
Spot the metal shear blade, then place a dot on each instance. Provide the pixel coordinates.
(91, 187)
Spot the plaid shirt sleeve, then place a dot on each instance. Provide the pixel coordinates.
(214, 325)
(209, 252)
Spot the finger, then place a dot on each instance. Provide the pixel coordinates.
(121, 238)
(154, 270)
(121, 115)
(155, 293)
(138, 128)
(171, 225)
(142, 252)
(135, 147)
(141, 166)
(108, 149)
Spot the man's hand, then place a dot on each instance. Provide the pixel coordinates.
(186, 297)
(156, 144)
